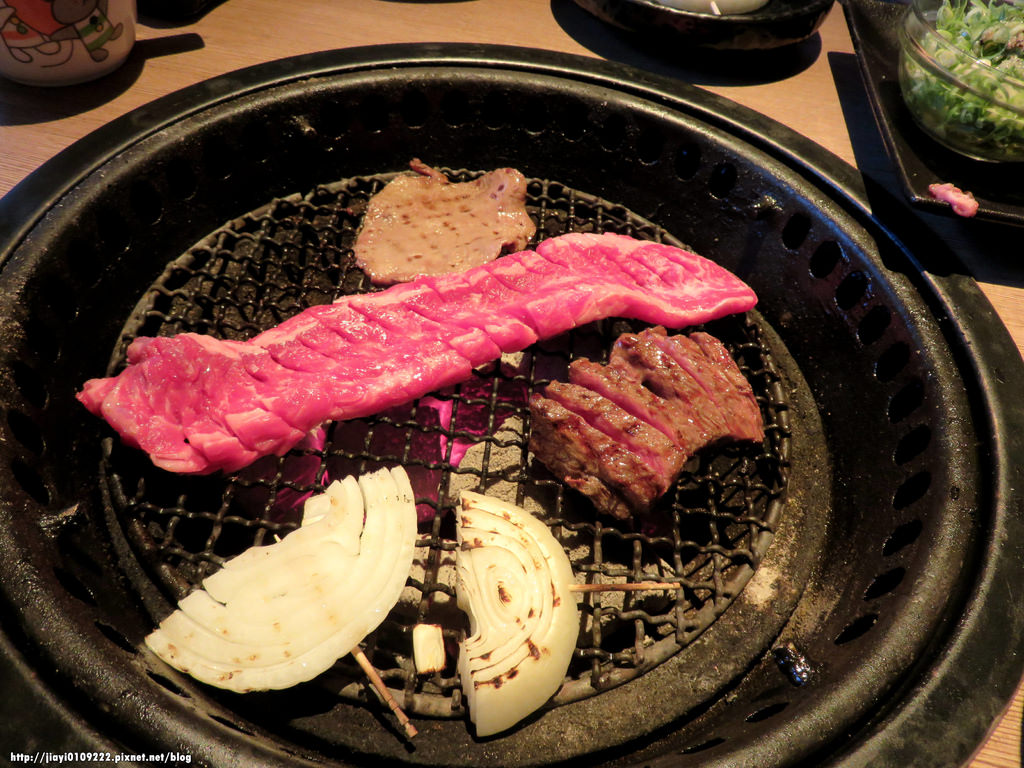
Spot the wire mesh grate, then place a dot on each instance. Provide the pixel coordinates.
(708, 534)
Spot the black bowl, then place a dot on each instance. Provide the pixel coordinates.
(779, 23)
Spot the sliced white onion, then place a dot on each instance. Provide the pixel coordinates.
(513, 581)
(279, 615)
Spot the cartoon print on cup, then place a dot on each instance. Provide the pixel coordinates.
(51, 33)
(87, 19)
(25, 43)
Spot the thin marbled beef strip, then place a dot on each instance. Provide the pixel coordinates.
(658, 400)
(198, 404)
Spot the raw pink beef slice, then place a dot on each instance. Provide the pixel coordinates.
(197, 404)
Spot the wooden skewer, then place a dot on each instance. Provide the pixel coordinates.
(636, 586)
(382, 689)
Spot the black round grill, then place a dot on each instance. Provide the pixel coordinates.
(708, 536)
(880, 627)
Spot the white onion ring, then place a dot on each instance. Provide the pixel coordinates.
(279, 615)
(514, 583)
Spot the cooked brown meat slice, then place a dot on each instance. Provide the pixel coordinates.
(424, 224)
(732, 391)
(708, 362)
(698, 421)
(621, 386)
(614, 478)
(621, 432)
(635, 434)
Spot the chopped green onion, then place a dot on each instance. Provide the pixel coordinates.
(972, 106)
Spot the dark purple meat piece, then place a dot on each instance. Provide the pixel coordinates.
(621, 387)
(735, 396)
(659, 400)
(629, 431)
(585, 458)
(697, 419)
(706, 360)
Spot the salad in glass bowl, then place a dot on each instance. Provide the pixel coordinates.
(961, 74)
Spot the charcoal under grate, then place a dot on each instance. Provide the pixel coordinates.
(708, 535)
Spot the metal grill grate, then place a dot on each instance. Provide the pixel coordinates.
(709, 533)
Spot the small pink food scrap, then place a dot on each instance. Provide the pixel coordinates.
(963, 203)
(423, 224)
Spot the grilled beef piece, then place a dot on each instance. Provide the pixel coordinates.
(704, 375)
(621, 387)
(636, 435)
(197, 404)
(697, 421)
(426, 225)
(724, 381)
(589, 460)
(621, 433)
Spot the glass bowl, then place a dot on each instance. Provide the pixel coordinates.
(961, 73)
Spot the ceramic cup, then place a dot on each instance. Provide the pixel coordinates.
(63, 42)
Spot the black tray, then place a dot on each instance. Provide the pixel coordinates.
(918, 159)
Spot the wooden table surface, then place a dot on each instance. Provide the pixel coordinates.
(814, 89)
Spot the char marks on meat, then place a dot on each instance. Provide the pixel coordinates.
(197, 404)
(426, 225)
(573, 447)
(620, 433)
(636, 435)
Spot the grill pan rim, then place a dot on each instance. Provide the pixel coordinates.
(992, 358)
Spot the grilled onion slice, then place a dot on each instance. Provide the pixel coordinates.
(281, 614)
(513, 581)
